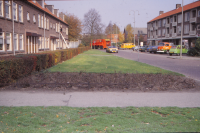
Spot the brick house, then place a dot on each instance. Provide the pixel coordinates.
(167, 26)
(31, 26)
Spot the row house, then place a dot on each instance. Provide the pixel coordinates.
(31, 26)
(167, 26)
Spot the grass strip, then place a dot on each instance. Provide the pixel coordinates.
(95, 119)
(95, 61)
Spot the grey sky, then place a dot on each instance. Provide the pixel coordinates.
(118, 11)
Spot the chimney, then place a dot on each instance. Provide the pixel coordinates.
(178, 5)
(61, 15)
(41, 2)
(161, 12)
(50, 7)
(56, 12)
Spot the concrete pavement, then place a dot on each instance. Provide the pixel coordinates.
(99, 99)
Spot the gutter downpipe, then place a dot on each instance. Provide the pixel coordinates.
(181, 32)
(13, 28)
(44, 31)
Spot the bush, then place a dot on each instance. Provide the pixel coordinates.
(15, 67)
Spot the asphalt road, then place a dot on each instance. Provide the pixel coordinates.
(189, 66)
(100, 99)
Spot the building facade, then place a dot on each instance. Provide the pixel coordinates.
(167, 26)
(31, 26)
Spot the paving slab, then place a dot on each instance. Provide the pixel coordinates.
(100, 99)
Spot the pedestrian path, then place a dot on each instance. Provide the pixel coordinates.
(99, 99)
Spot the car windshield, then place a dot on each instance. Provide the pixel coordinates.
(112, 47)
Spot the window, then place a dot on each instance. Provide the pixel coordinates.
(7, 7)
(15, 11)
(179, 18)
(15, 41)
(8, 42)
(171, 19)
(187, 16)
(186, 29)
(20, 14)
(198, 27)
(42, 21)
(51, 25)
(34, 20)
(1, 8)
(159, 32)
(159, 23)
(167, 20)
(193, 27)
(1, 42)
(163, 32)
(28, 17)
(56, 27)
(45, 23)
(38, 20)
(164, 22)
(168, 30)
(48, 24)
(194, 14)
(66, 31)
(39, 43)
(179, 29)
(174, 30)
(21, 42)
(174, 18)
(199, 13)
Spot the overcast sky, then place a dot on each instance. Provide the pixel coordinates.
(118, 11)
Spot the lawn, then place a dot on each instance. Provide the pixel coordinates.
(104, 119)
(95, 61)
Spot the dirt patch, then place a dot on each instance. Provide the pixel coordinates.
(104, 82)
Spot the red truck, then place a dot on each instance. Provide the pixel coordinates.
(100, 43)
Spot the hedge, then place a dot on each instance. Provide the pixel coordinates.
(15, 67)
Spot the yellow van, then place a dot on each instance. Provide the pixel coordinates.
(127, 45)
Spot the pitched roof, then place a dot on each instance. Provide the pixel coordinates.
(46, 10)
(179, 10)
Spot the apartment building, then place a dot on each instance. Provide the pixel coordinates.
(31, 26)
(167, 26)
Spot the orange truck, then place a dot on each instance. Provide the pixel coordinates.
(100, 43)
(164, 47)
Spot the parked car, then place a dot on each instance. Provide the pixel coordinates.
(136, 48)
(149, 49)
(176, 50)
(164, 47)
(112, 49)
(154, 49)
(143, 48)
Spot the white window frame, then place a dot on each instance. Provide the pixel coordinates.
(20, 13)
(1, 9)
(198, 13)
(66, 31)
(39, 24)
(28, 16)
(163, 32)
(179, 18)
(186, 28)
(45, 23)
(10, 47)
(164, 22)
(51, 25)
(16, 39)
(15, 11)
(56, 27)
(9, 9)
(2, 37)
(187, 16)
(42, 23)
(34, 20)
(21, 46)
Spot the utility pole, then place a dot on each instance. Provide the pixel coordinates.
(181, 32)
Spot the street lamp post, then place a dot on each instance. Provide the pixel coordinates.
(134, 24)
(181, 32)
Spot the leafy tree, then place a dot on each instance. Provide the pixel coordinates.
(121, 37)
(75, 28)
(129, 30)
(112, 29)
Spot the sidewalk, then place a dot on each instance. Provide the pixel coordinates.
(184, 57)
(100, 99)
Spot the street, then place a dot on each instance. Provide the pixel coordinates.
(189, 66)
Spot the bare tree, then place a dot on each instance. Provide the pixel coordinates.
(92, 23)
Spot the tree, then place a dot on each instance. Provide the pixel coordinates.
(141, 39)
(92, 23)
(121, 37)
(75, 28)
(111, 29)
(129, 30)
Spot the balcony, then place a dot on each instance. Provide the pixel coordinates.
(167, 25)
(193, 20)
(167, 35)
(174, 24)
(155, 36)
(174, 34)
(192, 33)
(151, 29)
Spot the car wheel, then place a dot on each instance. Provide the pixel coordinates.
(170, 54)
(154, 52)
(150, 52)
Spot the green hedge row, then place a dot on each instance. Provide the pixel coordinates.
(14, 67)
